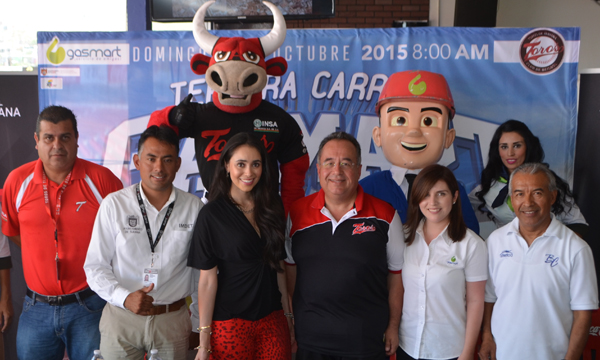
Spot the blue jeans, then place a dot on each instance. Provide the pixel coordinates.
(45, 331)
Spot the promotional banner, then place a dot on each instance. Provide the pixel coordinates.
(114, 81)
(18, 113)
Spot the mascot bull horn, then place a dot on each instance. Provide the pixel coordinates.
(237, 72)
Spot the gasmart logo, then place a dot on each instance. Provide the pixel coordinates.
(66, 53)
(55, 54)
(542, 51)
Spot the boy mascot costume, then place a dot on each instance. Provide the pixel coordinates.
(415, 109)
(237, 73)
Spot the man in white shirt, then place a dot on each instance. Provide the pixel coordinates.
(138, 254)
(542, 282)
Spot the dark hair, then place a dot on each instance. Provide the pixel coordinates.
(268, 208)
(56, 114)
(340, 135)
(422, 184)
(534, 153)
(162, 133)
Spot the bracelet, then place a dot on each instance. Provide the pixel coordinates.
(203, 328)
(289, 315)
(209, 351)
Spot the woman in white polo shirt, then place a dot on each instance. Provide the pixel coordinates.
(444, 273)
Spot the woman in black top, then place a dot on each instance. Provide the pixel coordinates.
(238, 245)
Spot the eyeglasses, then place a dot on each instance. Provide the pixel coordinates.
(344, 165)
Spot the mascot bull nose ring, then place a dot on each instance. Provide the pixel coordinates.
(237, 70)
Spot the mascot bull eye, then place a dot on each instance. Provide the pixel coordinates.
(251, 57)
(222, 56)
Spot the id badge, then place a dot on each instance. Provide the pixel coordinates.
(150, 276)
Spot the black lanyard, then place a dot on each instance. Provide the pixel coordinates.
(147, 223)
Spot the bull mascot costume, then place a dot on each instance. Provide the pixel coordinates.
(237, 73)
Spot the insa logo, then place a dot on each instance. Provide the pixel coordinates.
(542, 51)
(265, 126)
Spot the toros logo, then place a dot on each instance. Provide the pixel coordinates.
(542, 51)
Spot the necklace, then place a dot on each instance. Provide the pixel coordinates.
(239, 207)
(244, 211)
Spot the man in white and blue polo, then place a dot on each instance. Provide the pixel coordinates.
(542, 282)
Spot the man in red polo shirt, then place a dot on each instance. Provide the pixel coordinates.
(49, 209)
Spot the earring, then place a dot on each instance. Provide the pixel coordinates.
(227, 172)
(454, 203)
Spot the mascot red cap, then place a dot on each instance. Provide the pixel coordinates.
(417, 85)
(237, 70)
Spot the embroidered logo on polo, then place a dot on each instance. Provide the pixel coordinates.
(552, 260)
(506, 253)
(79, 205)
(185, 226)
(361, 228)
(452, 261)
(132, 221)
(265, 126)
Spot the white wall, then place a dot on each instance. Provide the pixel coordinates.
(557, 13)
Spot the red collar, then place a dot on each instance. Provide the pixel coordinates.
(78, 171)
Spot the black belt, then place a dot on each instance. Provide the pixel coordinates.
(61, 299)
